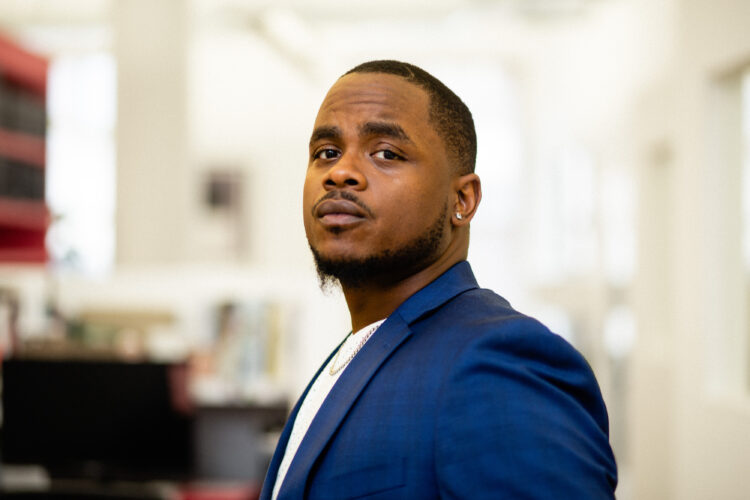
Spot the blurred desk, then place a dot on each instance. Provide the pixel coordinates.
(97, 424)
(236, 441)
(232, 444)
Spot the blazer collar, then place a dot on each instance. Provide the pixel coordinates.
(386, 340)
(454, 281)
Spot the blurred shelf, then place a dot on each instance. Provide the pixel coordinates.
(23, 67)
(24, 216)
(23, 147)
(27, 255)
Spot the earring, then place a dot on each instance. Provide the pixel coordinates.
(459, 216)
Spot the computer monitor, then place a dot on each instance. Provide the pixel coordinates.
(97, 419)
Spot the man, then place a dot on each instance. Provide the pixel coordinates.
(443, 390)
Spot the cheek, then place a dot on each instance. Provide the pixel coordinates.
(307, 202)
(409, 214)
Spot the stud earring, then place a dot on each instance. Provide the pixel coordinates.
(459, 216)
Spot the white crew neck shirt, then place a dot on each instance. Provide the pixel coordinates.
(317, 394)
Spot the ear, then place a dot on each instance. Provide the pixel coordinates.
(467, 193)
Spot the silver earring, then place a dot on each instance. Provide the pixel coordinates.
(459, 216)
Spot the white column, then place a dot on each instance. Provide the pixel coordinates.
(152, 129)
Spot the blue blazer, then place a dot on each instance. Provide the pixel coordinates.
(457, 395)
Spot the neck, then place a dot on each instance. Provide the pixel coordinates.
(374, 301)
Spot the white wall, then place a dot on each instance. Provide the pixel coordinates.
(692, 418)
(151, 132)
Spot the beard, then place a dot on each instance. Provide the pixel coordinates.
(385, 267)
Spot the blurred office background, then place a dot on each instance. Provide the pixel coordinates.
(613, 151)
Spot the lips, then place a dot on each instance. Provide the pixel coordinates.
(339, 212)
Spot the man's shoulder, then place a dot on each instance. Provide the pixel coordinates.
(481, 319)
(482, 309)
(528, 398)
(456, 313)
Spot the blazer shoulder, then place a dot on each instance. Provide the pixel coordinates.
(483, 325)
(481, 312)
(519, 402)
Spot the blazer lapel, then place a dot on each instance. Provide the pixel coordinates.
(278, 455)
(388, 337)
(455, 281)
(375, 352)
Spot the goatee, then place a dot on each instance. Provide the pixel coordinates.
(385, 267)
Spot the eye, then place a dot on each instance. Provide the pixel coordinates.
(387, 154)
(326, 154)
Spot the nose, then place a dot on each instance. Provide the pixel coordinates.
(346, 172)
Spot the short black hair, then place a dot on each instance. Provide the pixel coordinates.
(449, 114)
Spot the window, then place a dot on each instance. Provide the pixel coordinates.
(81, 161)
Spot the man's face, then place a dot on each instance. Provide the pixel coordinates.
(377, 190)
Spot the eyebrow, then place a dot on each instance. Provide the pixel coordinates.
(325, 133)
(384, 129)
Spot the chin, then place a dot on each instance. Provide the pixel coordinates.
(338, 259)
(337, 251)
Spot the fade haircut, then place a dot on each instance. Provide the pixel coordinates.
(450, 116)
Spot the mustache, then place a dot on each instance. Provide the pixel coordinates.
(338, 194)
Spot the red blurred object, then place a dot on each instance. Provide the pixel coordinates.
(22, 67)
(22, 147)
(24, 217)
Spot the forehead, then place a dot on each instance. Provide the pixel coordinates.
(370, 96)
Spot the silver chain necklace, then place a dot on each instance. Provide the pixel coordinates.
(333, 370)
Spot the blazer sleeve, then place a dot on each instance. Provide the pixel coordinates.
(521, 416)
